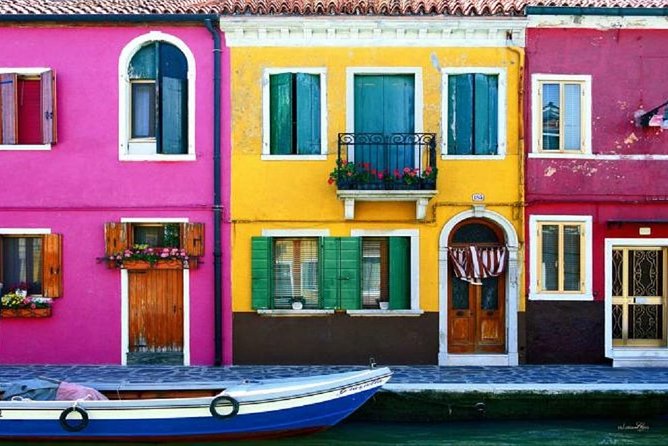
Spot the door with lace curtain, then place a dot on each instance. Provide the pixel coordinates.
(476, 312)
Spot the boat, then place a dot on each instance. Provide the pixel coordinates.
(248, 410)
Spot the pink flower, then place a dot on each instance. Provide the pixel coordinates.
(164, 254)
(428, 169)
(407, 169)
(380, 175)
(33, 306)
(350, 174)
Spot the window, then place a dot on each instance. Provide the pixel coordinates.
(33, 260)
(561, 124)
(28, 105)
(348, 273)
(562, 257)
(475, 107)
(187, 236)
(154, 234)
(294, 107)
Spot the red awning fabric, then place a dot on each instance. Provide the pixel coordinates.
(473, 263)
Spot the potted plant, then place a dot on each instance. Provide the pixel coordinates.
(17, 303)
(144, 256)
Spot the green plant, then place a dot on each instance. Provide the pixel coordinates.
(20, 300)
(149, 254)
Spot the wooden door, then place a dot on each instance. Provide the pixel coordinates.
(476, 313)
(155, 310)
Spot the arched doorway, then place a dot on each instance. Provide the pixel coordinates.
(476, 310)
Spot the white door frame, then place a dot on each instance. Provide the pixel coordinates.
(512, 294)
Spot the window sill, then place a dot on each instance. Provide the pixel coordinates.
(268, 157)
(27, 147)
(384, 313)
(561, 297)
(157, 157)
(294, 313)
(639, 357)
(562, 155)
(472, 157)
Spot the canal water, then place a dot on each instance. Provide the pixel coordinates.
(475, 433)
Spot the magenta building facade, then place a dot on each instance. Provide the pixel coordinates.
(108, 142)
(596, 187)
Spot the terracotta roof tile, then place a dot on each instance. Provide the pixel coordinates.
(306, 7)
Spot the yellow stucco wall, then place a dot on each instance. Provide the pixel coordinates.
(270, 194)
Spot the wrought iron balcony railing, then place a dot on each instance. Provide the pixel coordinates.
(367, 161)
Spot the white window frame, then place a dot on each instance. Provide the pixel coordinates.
(21, 71)
(502, 122)
(266, 114)
(534, 255)
(414, 235)
(124, 101)
(537, 114)
(25, 231)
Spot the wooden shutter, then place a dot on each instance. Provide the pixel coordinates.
(280, 114)
(460, 114)
(9, 129)
(116, 237)
(486, 114)
(341, 263)
(261, 261)
(192, 238)
(308, 113)
(52, 265)
(330, 272)
(400, 273)
(48, 107)
(173, 102)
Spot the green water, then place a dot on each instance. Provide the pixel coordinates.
(477, 433)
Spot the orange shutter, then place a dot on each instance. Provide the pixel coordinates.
(48, 90)
(52, 260)
(9, 125)
(192, 238)
(116, 237)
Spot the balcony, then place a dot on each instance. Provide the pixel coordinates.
(379, 167)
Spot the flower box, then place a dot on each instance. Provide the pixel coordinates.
(160, 264)
(25, 312)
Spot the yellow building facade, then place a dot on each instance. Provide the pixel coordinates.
(303, 84)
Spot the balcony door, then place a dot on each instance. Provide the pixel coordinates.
(385, 105)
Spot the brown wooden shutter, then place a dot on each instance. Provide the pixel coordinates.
(9, 128)
(192, 238)
(48, 103)
(52, 262)
(115, 237)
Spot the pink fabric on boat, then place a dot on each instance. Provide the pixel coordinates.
(72, 392)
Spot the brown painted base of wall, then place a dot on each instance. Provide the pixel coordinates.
(335, 339)
(565, 332)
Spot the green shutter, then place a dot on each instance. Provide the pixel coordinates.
(486, 114)
(330, 272)
(261, 259)
(174, 112)
(308, 113)
(280, 114)
(350, 265)
(400, 273)
(460, 114)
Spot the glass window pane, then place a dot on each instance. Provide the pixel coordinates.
(295, 273)
(370, 272)
(551, 115)
(550, 257)
(142, 65)
(490, 294)
(163, 236)
(460, 294)
(143, 110)
(572, 258)
(22, 263)
(572, 117)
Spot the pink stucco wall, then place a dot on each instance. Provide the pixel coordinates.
(81, 184)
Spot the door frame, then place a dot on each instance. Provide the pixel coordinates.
(125, 299)
(510, 358)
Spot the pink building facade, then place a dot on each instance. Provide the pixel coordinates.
(596, 189)
(107, 142)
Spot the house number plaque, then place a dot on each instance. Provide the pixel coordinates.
(478, 197)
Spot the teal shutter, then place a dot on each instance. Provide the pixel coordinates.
(349, 272)
(460, 114)
(330, 272)
(308, 113)
(174, 112)
(486, 114)
(280, 114)
(261, 261)
(400, 273)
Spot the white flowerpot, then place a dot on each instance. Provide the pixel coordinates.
(384, 305)
(297, 305)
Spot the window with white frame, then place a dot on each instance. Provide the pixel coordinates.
(561, 114)
(474, 108)
(561, 257)
(294, 112)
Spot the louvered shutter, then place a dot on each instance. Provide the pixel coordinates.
(400, 273)
(116, 237)
(341, 272)
(280, 114)
(460, 114)
(308, 113)
(48, 107)
(486, 114)
(261, 260)
(192, 238)
(52, 265)
(330, 272)
(8, 107)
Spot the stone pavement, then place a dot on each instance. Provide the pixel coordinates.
(549, 378)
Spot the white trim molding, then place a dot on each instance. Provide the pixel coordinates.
(537, 115)
(24, 231)
(601, 23)
(373, 31)
(266, 114)
(502, 123)
(124, 112)
(629, 356)
(532, 238)
(414, 235)
(510, 358)
(295, 233)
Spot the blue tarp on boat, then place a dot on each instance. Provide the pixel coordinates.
(34, 389)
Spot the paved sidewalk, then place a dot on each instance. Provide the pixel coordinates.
(550, 378)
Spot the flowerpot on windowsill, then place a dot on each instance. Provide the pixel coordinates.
(297, 305)
(384, 305)
(25, 312)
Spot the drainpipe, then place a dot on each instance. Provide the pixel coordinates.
(217, 203)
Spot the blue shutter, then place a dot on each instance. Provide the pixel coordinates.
(486, 114)
(308, 113)
(174, 112)
(280, 114)
(460, 114)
